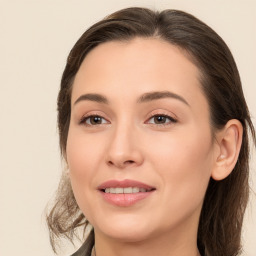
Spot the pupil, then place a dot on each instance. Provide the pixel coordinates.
(96, 120)
(160, 119)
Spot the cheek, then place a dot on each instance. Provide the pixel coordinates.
(83, 153)
(83, 159)
(184, 151)
(184, 163)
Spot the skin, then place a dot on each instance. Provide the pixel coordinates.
(176, 157)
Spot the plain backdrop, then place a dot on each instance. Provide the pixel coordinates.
(35, 39)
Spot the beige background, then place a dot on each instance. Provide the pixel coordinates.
(35, 38)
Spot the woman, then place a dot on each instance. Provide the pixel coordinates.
(154, 128)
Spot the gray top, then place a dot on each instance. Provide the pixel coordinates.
(87, 248)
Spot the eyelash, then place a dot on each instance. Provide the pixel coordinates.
(84, 119)
(171, 119)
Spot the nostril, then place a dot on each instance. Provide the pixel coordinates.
(110, 162)
(121, 164)
(129, 162)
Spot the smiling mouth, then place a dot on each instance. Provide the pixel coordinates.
(127, 190)
(125, 193)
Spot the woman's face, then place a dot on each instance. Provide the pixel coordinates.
(140, 147)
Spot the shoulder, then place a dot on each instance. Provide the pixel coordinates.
(86, 248)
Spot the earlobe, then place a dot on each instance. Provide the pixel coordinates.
(229, 143)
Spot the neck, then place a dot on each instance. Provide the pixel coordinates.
(160, 245)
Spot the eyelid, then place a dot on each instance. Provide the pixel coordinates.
(173, 118)
(86, 116)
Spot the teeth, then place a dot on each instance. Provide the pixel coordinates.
(135, 190)
(128, 190)
(119, 190)
(112, 191)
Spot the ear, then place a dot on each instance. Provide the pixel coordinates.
(229, 141)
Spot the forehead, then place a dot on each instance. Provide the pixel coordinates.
(137, 66)
(140, 54)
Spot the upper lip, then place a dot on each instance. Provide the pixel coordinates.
(124, 184)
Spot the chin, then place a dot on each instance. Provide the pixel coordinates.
(126, 230)
(128, 236)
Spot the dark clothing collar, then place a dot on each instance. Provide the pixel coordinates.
(86, 248)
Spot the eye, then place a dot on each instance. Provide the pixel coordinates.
(161, 119)
(93, 120)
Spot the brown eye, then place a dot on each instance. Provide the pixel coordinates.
(93, 120)
(161, 119)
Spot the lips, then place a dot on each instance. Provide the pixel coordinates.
(124, 184)
(125, 192)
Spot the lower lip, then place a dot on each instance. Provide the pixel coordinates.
(125, 199)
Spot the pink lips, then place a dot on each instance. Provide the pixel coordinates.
(125, 199)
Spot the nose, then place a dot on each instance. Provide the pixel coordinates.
(124, 148)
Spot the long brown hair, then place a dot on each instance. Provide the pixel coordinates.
(219, 231)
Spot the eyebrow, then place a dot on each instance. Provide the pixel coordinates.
(146, 97)
(150, 96)
(92, 97)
